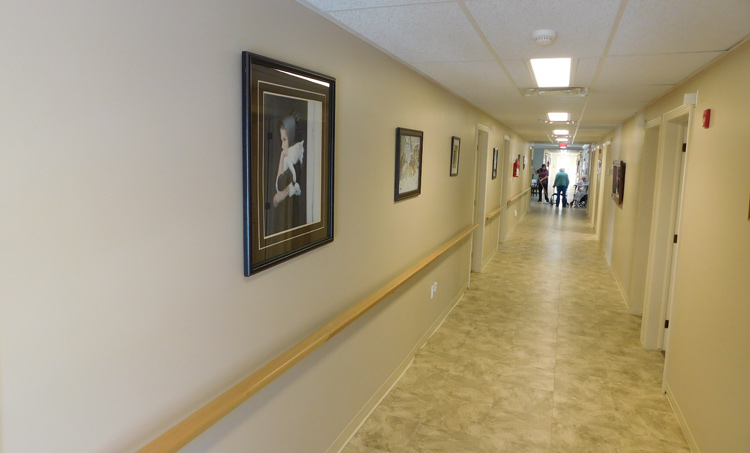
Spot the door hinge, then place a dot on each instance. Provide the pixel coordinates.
(675, 239)
(684, 147)
(666, 324)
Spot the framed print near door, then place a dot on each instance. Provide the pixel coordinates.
(618, 181)
(288, 130)
(494, 163)
(455, 152)
(408, 163)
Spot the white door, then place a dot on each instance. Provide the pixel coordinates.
(480, 195)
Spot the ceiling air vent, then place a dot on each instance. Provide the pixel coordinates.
(569, 92)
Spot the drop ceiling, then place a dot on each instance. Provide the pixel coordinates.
(627, 53)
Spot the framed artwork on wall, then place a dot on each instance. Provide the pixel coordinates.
(618, 181)
(409, 143)
(494, 163)
(455, 152)
(288, 132)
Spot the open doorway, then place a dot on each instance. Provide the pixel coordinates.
(562, 161)
(601, 188)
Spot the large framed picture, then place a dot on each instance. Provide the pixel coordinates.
(618, 181)
(408, 163)
(288, 131)
(455, 152)
(494, 163)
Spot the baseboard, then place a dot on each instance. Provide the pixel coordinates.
(487, 261)
(681, 420)
(384, 389)
(622, 290)
(523, 202)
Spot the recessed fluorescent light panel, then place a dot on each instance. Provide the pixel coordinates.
(561, 132)
(558, 116)
(561, 139)
(551, 72)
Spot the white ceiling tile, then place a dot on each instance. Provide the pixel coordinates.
(652, 69)
(585, 72)
(485, 75)
(492, 102)
(670, 26)
(419, 33)
(624, 93)
(604, 107)
(583, 28)
(520, 73)
(438, 39)
(341, 5)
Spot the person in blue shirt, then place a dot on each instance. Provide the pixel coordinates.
(561, 184)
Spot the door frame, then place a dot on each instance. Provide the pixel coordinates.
(601, 190)
(668, 196)
(480, 195)
(502, 166)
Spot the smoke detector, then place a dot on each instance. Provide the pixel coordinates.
(544, 37)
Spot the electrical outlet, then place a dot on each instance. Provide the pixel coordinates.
(433, 290)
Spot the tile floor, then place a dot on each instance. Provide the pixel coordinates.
(540, 355)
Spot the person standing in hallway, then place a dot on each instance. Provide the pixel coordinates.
(543, 181)
(561, 185)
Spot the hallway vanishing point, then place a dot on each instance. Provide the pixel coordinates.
(540, 355)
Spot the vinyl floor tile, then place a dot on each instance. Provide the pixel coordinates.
(540, 355)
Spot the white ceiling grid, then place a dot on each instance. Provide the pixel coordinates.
(627, 52)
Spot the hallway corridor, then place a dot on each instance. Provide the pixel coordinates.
(540, 355)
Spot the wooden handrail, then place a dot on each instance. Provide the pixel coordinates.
(518, 196)
(199, 421)
(494, 213)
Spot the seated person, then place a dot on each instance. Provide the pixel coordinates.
(582, 188)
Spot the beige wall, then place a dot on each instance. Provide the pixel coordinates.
(517, 208)
(707, 361)
(707, 357)
(630, 222)
(122, 302)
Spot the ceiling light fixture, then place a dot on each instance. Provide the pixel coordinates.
(558, 116)
(561, 132)
(551, 72)
(557, 123)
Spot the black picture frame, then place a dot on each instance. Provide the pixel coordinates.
(455, 154)
(495, 152)
(409, 147)
(288, 160)
(618, 181)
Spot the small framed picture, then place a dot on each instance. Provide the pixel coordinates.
(618, 181)
(494, 163)
(455, 152)
(288, 131)
(408, 163)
